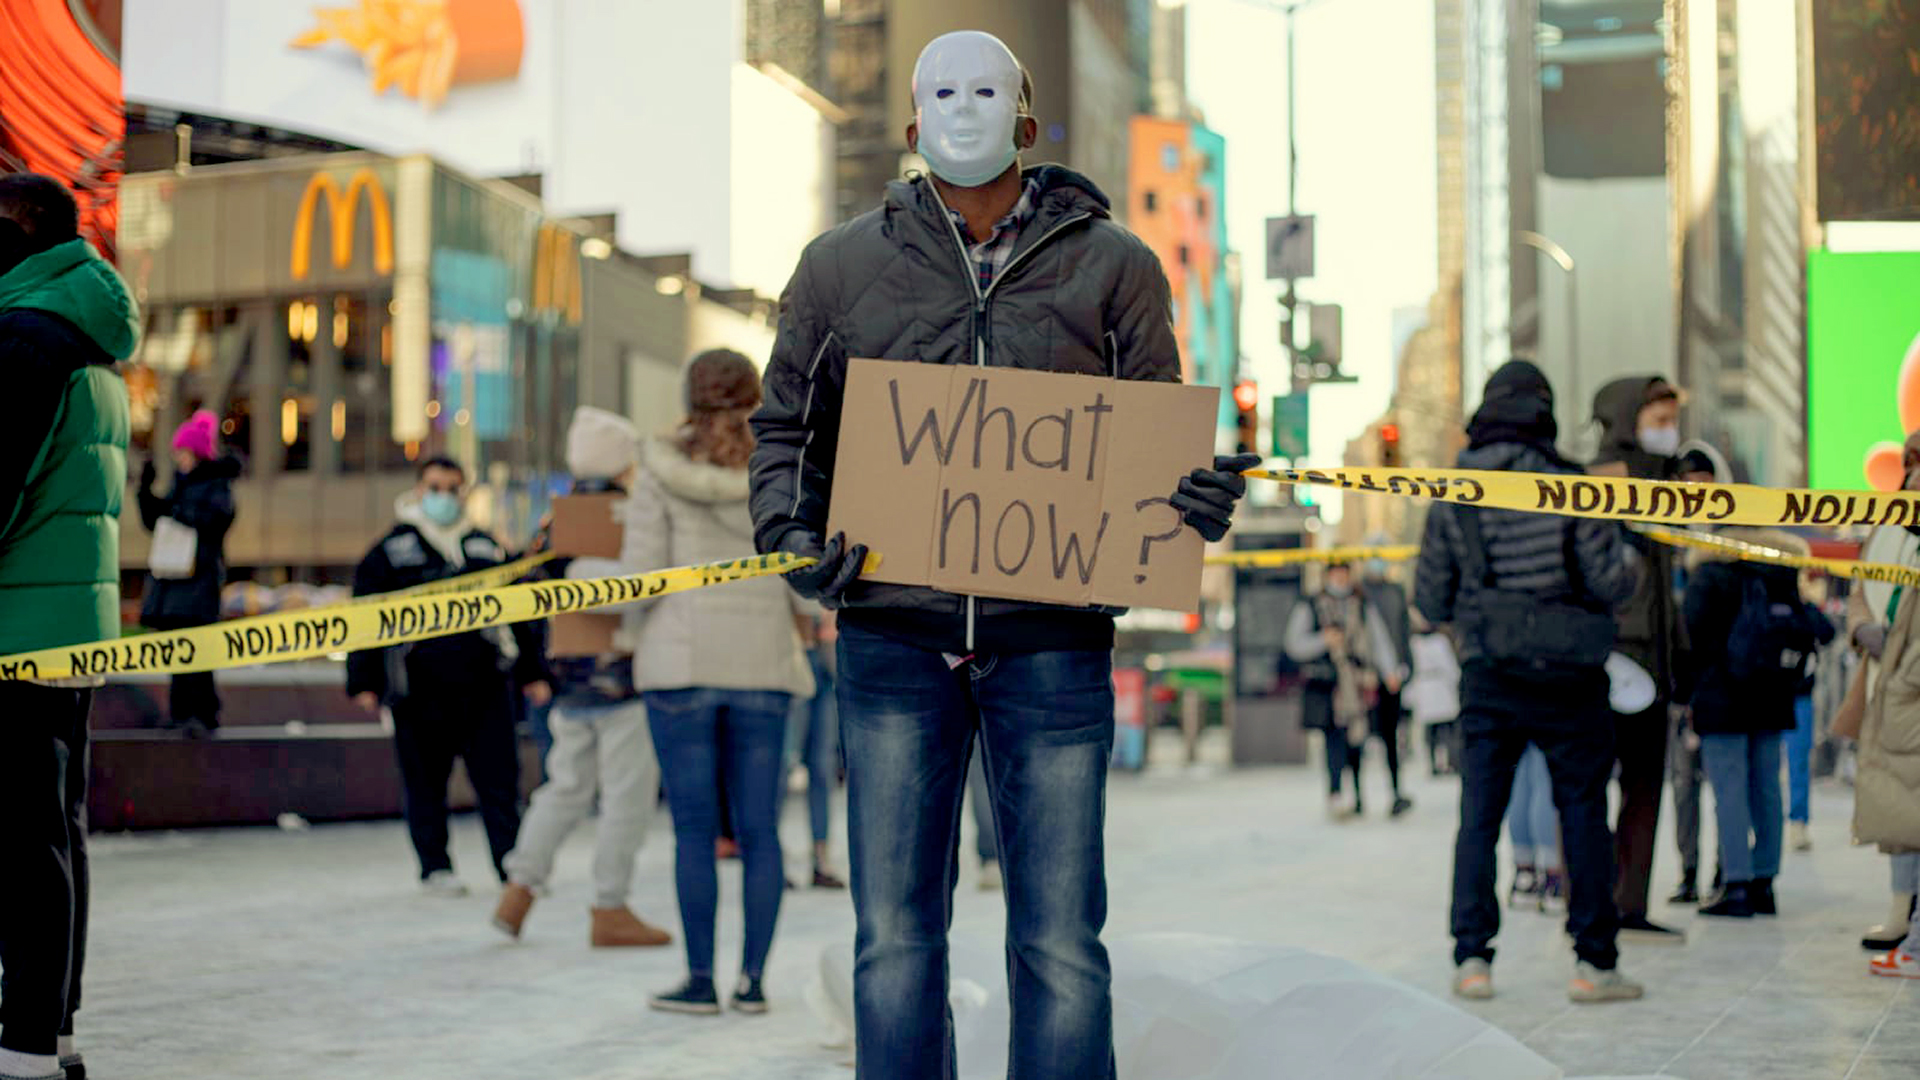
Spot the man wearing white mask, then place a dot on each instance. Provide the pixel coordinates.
(980, 263)
(450, 695)
(1640, 434)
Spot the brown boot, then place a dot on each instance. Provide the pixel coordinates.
(515, 902)
(619, 927)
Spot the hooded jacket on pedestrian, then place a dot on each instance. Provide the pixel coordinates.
(1650, 620)
(1554, 558)
(65, 318)
(1081, 295)
(1886, 788)
(1716, 593)
(418, 551)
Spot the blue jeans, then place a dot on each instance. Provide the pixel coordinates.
(1532, 822)
(1046, 721)
(695, 733)
(1799, 751)
(813, 738)
(1745, 773)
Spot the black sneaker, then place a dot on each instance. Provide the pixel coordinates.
(1641, 929)
(75, 1068)
(749, 997)
(1687, 893)
(1760, 897)
(1729, 903)
(824, 880)
(1401, 804)
(695, 997)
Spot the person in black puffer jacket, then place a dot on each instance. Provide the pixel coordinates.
(201, 500)
(1505, 705)
(1741, 705)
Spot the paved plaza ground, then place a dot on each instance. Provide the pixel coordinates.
(264, 953)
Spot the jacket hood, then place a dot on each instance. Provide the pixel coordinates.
(694, 481)
(1513, 457)
(1062, 194)
(72, 281)
(1617, 406)
(444, 538)
(1772, 538)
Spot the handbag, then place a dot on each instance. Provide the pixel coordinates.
(1513, 627)
(174, 552)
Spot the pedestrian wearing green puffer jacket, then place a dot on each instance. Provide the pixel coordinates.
(65, 319)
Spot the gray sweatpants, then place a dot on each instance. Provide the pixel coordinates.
(604, 750)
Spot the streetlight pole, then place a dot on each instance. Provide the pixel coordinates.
(1565, 262)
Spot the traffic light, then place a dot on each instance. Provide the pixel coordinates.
(1390, 445)
(1246, 399)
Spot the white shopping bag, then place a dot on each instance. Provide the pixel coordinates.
(174, 549)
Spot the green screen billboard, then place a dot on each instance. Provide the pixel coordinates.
(1863, 319)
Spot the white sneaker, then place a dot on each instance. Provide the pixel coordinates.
(1473, 980)
(1591, 986)
(1797, 836)
(444, 884)
(990, 875)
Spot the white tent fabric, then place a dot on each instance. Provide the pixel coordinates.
(1193, 1007)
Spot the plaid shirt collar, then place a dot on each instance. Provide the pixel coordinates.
(992, 255)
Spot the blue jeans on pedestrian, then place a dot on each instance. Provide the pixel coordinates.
(909, 721)
(1532, 822)
(696, 732)
(813, 739)
(1799, 755)
(1744, 770)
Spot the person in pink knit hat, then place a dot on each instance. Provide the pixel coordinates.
(187, 561)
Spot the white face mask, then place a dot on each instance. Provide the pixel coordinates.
(966, 101)
(1664, 441)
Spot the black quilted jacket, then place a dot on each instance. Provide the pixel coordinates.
(1081, 295)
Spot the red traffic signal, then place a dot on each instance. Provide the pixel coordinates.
(1246, 395)
(1390, 433)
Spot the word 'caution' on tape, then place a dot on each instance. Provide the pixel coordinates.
(1750, 552)
(1658, 502)
(1273, 557)
(393, 619)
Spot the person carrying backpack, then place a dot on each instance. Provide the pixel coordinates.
(1753, 637)
(1531, 599)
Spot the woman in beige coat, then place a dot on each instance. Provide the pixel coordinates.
(719, 669)
(1886, 809)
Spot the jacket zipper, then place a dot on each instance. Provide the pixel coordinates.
(980, 300)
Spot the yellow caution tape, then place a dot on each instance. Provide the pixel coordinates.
(504, 574)
(1659, 502)
(1751, 552)
(394, 619)
(1293, 556)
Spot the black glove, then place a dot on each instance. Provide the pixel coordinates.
(1206, 497)
(828, 578)
(147, 475)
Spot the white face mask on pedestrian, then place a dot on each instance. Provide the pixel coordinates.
(966, 101)
(1664, 441)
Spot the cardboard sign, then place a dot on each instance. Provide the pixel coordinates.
(1023, 485)
(591, 525)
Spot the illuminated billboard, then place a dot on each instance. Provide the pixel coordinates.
(1863, 365)
(60, 106)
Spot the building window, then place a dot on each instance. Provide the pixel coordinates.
(1153, 201)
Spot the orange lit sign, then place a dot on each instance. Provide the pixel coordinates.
(341, 209)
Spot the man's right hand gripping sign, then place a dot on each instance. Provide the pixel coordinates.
(983, 262)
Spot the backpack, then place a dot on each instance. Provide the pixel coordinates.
(1771, 640)
(1520, 629)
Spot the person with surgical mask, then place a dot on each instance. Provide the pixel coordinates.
(1639, 421)
(985, 262)
(450, 696)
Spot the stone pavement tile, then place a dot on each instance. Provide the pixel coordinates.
(1766, 1062)
(1609, 1053)
(1874, 1067)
